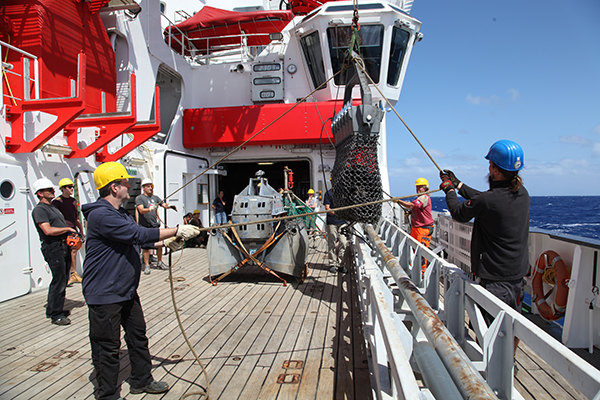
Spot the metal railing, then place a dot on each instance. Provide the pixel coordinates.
(25, 74)
(401, 307)
(192, 49)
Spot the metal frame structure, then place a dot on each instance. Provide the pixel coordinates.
(403, 313)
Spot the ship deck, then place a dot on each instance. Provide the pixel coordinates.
(249, 331)
(256, 338)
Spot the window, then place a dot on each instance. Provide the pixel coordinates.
(370, 41)
(311, 47)
(397, 51)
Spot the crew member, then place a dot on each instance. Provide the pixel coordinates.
(68, 206)
(146, 204)
(499, 242)
(53, 230)
(219, 206)
(202, 238)
(336, 239)
(111, 275)
(312, 200)
(421, 219)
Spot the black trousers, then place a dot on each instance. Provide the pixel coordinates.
(105, 339)
(58, 256)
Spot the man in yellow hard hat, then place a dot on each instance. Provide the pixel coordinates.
(111, 276)
(421, 219)
(69, 208)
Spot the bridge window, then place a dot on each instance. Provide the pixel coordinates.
(370, 41)
(397, 51)
(311, 47)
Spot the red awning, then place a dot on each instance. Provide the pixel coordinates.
(208, 28)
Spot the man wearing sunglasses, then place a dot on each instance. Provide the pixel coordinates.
(68, 206)
(53, 231)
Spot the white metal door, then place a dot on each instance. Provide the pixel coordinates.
(14, 242)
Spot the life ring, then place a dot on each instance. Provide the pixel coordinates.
(550, 259)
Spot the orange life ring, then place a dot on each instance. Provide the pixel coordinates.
(550, 259)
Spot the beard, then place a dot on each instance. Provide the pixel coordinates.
(489, 180)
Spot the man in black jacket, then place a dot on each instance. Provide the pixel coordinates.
(499, 242)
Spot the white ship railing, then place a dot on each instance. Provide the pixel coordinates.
(233, 53)
(25, 74)
(393, 331)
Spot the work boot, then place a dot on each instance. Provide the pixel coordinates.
(146, 270)
(61, 321)
(154, 387)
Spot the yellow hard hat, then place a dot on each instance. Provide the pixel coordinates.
(196, 212)
(310, 191)
(422, 182)
(108, 172)
(64, 182)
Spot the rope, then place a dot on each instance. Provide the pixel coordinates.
(187, 341)
(253, 136)
(361, 65)
(263, 221)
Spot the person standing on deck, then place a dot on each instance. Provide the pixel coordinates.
(421, 220)
(67, 205)
(499, 242)
(53, 230)
(147, 204)
(111, 275)
(219, 206)
(336, 239)
(312, 200)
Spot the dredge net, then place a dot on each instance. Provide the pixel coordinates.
(356, 178)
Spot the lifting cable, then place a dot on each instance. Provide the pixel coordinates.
(360, 63)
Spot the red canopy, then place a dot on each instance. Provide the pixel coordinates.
(209, 26)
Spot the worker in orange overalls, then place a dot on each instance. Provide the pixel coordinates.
(421, 219)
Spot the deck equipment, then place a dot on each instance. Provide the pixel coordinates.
(279, 246)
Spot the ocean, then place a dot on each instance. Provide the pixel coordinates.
(572, 215)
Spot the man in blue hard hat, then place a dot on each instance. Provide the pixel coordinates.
(499, 242)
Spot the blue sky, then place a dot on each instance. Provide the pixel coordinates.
(525, 70)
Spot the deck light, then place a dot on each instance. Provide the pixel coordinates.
(56, 149)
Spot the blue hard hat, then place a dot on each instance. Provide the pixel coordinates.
(506, 154)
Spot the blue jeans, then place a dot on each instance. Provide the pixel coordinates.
(220, 218)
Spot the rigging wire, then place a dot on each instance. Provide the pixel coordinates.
(253, 136)
(360, 63)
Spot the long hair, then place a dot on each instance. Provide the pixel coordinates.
(516, 182)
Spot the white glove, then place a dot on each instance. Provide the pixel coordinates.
(186, 232)
(153, 208)
(173, 243)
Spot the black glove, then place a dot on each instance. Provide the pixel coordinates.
(447, 174)
(447, 185)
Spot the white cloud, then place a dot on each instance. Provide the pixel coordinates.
(478, 100)
(575, 139)
(514, 94)
(596, 150)
(437, 153)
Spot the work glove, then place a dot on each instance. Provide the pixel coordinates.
(153, 207)
(173, 243)
(186, 232)
(447, 185)
(172, 207)
(447, 174)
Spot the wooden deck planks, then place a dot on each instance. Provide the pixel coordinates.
(243, 330)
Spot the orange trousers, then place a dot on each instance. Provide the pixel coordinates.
(423, 236)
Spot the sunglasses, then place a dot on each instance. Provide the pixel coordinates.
(68, 186)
